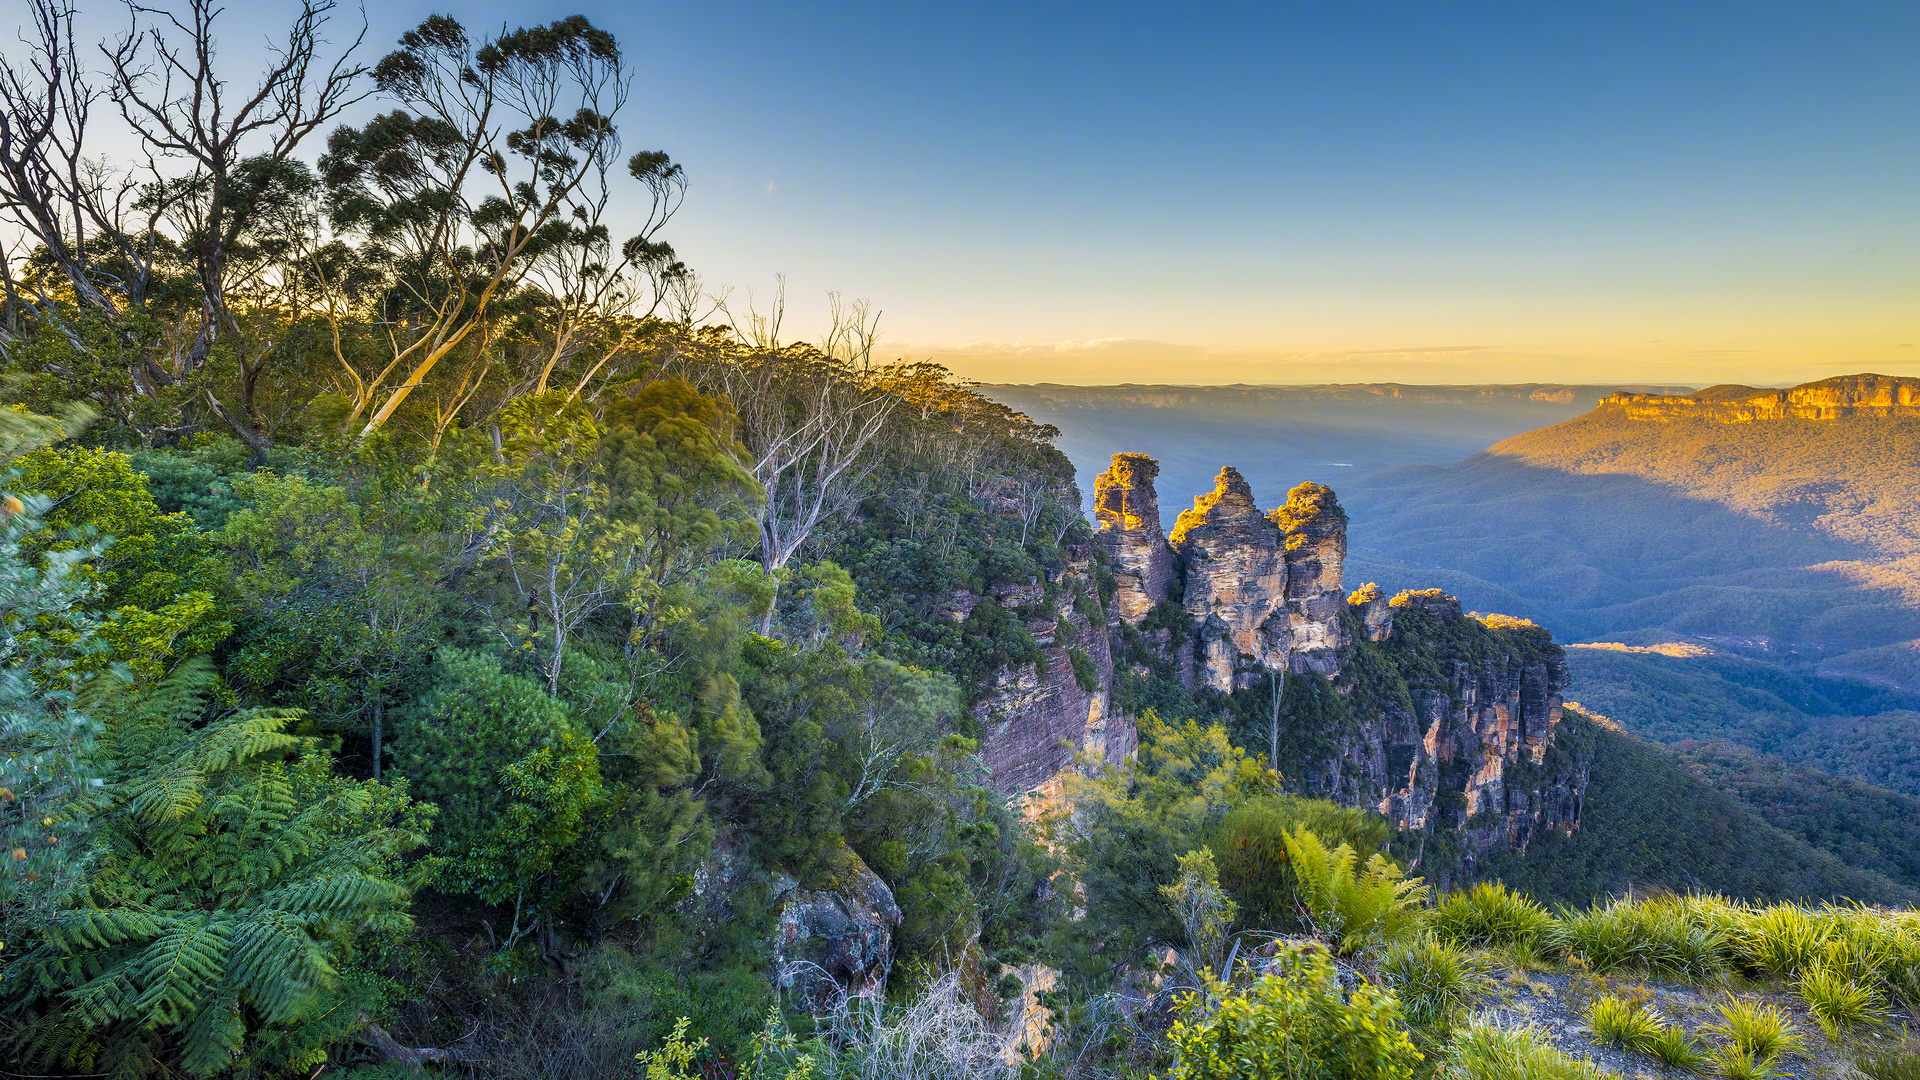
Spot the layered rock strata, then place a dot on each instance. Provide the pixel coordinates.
(1315, 528)
(1128, 514)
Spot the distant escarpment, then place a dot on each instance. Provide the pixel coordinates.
(1828, 399)
(1443, 722)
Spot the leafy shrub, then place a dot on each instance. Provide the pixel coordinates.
(1616, 1021)
(1492, 1052)
(1370, 905)
(1761, 1030)
(1490, 914)
(1674, 1048)
(1433, 979)
(1250, 843)
(1839, 1003)
(1295, 1014)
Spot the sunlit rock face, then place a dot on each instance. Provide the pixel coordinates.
(1235, 589)
(1128, 513)
(1828, 399)
(1315, 532)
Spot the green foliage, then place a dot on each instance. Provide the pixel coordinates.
(1130, 823)
(472, 720)
(1204, 911)
(1838, 1002)
(1735, 1062)
(1250, 845)
(1758, 1029)
(1434, 980)
(1671, 935)
(1491, 915)
(1617, 1021)
(1358, 905)
(1674, 1048)
(674, 1059)
(233, 879)
(156, 596)
(1888, 1063)
(1489, 1052)
(1293, 1023)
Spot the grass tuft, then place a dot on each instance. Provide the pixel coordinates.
(1761, 1030)
(1490, 915)
(1433, 979)
(1615, 1021)
(1674, 1048)
(1839, 1003)
(1889, 1063)
(1738, 1063)
(1492, 1052)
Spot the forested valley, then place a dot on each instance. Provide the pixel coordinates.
(437, 633)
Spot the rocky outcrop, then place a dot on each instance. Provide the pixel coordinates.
(1235, 589)
(1128, 513)
(1036, 718)
(829, 942)
(1828, 399)
(1315, 531)
(835, 942)
(1473, 748)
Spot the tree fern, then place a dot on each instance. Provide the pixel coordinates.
(1357, 905)
(209, 934)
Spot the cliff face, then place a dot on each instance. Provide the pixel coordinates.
(1128, 513)
(1036, 717)
(1828, 399)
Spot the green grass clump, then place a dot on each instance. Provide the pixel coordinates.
(1738, 1063)
(1675, 1049)
(1840, 1003)
(1783, 940)
(1491, 1052)
(1492, 915)
(1433, 979)
(1761, 1030)
(1687, 939)
(1889, 1063)
(1615, 1021)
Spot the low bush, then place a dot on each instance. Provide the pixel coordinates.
(1295, 1021)
(1359, 905)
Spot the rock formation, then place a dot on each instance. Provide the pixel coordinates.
(1128, 512)
(1236, 580)
(1315, 528)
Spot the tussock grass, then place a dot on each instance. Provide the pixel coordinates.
(1738, 1063)
(1490, 915)
(1839, 1003)
(1486, 1051)
(1761, 1030)
(1686, 939)
(1433, 979)
(1616, 1021)
(1889, 1063)
(1674, 1048)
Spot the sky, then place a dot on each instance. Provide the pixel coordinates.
(1287, 193)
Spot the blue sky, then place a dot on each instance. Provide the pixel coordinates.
(1670, 192)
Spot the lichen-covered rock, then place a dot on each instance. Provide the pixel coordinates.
(1235, 586)
(835, 942)
(1315, 531)
(1128, 512)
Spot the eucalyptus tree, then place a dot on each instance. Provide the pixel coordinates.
(492, 176)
